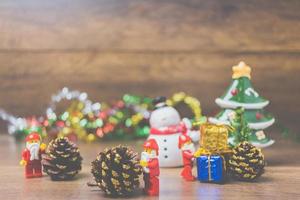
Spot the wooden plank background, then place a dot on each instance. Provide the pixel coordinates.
(110, 47)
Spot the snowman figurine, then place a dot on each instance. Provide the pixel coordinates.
(166, 127)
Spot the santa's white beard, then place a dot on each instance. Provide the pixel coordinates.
(146, 156)
(190, 147)
(152, 154)
(34, 149)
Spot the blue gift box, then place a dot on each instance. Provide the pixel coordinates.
(210, 168)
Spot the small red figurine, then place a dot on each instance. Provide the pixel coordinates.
(32, 155)
(188, 150)
(150, 164)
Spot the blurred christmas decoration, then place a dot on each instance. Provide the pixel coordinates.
(116, 171)
(88, 121)
(242, 94)
(87, 105)
(32, 125)
(127, 118)
(20, 127)
(74, 124)
(62, 160)
(192, 102)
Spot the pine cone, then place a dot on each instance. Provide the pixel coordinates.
(62, 160)
(116, 171)
(247, 162)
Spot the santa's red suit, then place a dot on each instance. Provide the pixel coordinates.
(151, 175)
(33, 166)
(187, 157)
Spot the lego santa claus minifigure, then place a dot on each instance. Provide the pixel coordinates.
(32, 155)
(188, 150)
(150, 164)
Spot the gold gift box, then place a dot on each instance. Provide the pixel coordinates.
(214, 139)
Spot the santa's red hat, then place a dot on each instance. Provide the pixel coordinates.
(183, 139)
(151, 144)
(33, 136)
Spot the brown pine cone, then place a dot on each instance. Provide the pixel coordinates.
(62, 160)
(247, 162)
(116, 171)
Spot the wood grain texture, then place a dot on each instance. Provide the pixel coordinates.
(150, 25)
(110, 47)
(280, 181)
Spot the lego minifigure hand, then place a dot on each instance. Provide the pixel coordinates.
(143, 163)
(43, 146)
(23, 162)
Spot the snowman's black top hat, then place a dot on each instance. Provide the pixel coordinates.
(159, 102)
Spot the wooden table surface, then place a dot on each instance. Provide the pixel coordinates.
(280, 181)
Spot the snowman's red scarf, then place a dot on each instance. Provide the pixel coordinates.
(181, 128)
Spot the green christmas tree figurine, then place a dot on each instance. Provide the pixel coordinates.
(241, 94)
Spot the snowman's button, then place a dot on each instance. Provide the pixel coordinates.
(165, 140)
(166, 156)
(165, 148)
